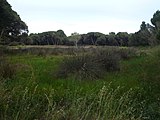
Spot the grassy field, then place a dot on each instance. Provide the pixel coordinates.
(34, 91)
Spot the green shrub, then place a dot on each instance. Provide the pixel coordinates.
(16, 43)
(127, 53)
(7, 70)
(108, 58)
(82, 66)
(89, 65)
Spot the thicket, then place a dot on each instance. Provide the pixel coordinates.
(7, 70)
(94, 64)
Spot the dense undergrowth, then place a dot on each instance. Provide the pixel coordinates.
(32, 90)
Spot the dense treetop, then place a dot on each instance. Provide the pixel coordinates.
(156, 19)
(10, 22)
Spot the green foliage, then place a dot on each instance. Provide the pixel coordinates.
(102, 40)
(140, 38)
(82, 66)
(112, 39)
(91, 38)
(16, 43)
(158, 35)
(7, 70)
(147, 35)
(90, 65)
(74, 38)
(109, 59)
(11, 24)
(143, 26)
(49, 38)
(127, 53)
(36, 94)
(35, 103)
(156, 19)
(123, 38)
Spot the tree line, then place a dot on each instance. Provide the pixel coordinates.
(14, 31)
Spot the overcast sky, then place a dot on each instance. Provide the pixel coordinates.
(84, 16)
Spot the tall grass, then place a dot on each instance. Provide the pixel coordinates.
(34, 103)
(7, 70)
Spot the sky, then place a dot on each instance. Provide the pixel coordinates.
(83, 16)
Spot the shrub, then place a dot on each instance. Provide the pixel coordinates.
(108, 59)
(16, 43)
(7, 70)
(82, 66)
(127, 53)
(89, 65)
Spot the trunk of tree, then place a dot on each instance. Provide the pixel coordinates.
(76, 44)
(92, 41)
(52, 42)
(1, 34)
(47, 41)
(158, 25)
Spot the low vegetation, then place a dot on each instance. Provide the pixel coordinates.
(106, 103)
(90, 65)
(35, 91)
(7, 70)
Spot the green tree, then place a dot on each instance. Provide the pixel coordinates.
(156, 19)
(10, 22)
(101, 40)
(112, 39)
(75, 37)
(49, 38)
(143, 26)
(122, 38)
(142, 37)
(62, 37)
(156, 22)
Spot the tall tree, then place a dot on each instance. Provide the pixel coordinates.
(122, 38)
(142, 37)
(156, 19)
(156, 22)
(10, 22)
(75, 37)
(143, 26)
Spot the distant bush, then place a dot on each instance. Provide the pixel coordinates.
(127, 53)
(89, 65)
(16, 43)
(2, 49)
(46, 51)
(108, 58)
(82, 66)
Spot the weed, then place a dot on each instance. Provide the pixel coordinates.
(7, 70)
(82, 66)
(34, 103)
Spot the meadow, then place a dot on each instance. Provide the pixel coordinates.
(46, 84)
